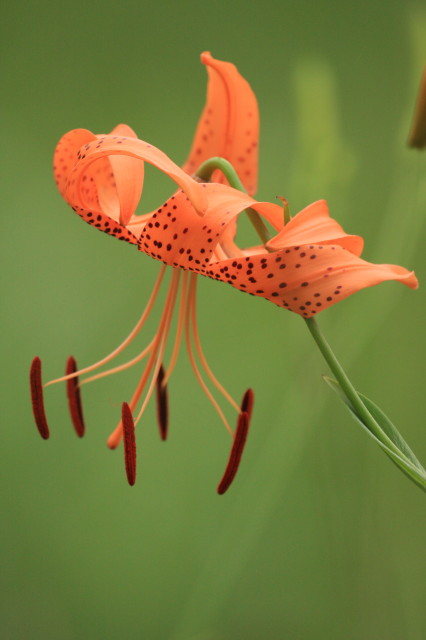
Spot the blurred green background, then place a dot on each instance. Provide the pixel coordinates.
(320, 536)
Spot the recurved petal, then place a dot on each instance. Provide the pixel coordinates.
(95, 197)
(128, 175)
(307, 279)
(113, 146)
(229, 124)
(65, 155)
(179, 236)
(313, 225)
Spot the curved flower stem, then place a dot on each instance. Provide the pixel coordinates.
(367, 413)
(206, 169)
(345, 384)
(205, 172)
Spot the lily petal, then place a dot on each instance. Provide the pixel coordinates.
(122, 146)
(179, 237)
(229, 124)
(128, 178)
(65, 155)
(314, 225)
(307, 279)
(97, 200)
(114, 184)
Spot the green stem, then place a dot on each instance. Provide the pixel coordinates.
(347, 387)
(205, 172)
(206, 169)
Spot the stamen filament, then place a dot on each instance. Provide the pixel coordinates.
(163, 342)
(114, 439)
(121, 367)
(203, 385)
(179, 329)
(200, 351)
(126, 342)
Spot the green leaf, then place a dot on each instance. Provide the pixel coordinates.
(405, 460)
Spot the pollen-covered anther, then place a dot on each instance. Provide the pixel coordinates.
(129, 443)
(37, 398)
(236, 452)
(74, 398)
(162, 404)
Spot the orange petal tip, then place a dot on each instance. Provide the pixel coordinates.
(205, 57)
(413, 282)
(37, 398)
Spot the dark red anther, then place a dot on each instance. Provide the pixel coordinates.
(74, 398)
(129, 443)
(162, 404)
(236, 452)
(37, 398)
(247, 402)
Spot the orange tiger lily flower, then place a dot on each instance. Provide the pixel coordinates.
(309, 265)
(101, 177)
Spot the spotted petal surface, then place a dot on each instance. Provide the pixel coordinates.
(313, 224)
(229, 124)
(107, 190)
(101, 177)
(307, 279)
(180, 237)
(312, 263)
